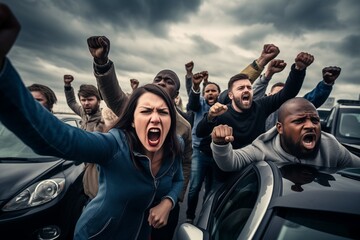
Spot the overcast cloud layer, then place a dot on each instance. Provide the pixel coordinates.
(220, 36)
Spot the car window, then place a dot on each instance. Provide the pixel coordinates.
(12, 146)
(350, 124)
(236, 208)
(71, 122)
(309, 224)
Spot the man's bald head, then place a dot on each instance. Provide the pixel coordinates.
(294, 105)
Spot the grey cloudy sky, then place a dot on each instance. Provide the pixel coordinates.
(220, 36)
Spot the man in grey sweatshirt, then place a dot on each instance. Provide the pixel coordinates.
(296, 138)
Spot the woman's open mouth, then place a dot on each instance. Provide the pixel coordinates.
(154, 136)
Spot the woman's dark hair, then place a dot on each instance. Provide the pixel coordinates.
(171, 146)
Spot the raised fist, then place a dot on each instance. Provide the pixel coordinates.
(134, 83)
(303, 60)
(189, 67)
(330, 74)
(99, 47)
(68, 79)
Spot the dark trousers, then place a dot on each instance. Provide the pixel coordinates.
(167, 232)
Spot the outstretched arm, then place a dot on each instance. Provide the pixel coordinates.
(104, 71)
(31, 122)
(323, 89)
(10, 28)
(253, 70)
(225, 157)
(260, 85)
(70, 95)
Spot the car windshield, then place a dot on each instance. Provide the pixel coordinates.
(308, 224)
(349, 126)
(13, 148)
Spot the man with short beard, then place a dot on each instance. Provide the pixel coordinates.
(89, 109)
(297, 138)
(247, 116)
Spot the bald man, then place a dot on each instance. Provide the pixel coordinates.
(296, 138)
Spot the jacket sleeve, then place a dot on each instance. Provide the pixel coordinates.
(259, 86)
(253, 70)
(194, 101)
(229, 159)
(41, 130)
(204, 127)
(109, 87)
(188, 84)
(177, 186)
(291, 89)
(319, 94)
(71, 100)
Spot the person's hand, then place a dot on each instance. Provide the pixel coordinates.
(197, 78)
(158, 215)
(99, 47)
(189, 67)
(222, 134)
(330, 74)
(134, 83)
(303, 60)
(68, 79)
(269, 52)
(9, 30)
(205, 77)
(275, 66)
(216, 110)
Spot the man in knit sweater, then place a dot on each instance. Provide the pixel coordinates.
(247, 116)
(296, 138)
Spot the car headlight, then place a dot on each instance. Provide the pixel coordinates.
(37, 194)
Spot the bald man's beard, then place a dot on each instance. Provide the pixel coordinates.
(297, 149)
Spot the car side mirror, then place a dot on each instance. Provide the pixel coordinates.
(188, 231)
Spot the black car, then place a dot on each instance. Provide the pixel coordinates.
(289, 201)
(344, 123)
(41, 197)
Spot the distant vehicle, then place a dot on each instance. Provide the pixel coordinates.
(323, 113)
(291, 201)
(344, 123)
(41, 197)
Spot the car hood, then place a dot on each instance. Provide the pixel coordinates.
(16, 176)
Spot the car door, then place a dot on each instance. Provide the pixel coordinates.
(240, 211)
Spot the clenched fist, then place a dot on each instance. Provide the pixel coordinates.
(222, 134)
(99, 47)
(303, 60)
(330, 74)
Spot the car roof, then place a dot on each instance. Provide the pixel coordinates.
(322, 189)
(62, 115)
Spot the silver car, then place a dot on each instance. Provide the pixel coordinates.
(291, 201)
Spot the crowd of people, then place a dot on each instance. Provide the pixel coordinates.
(145, 149)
